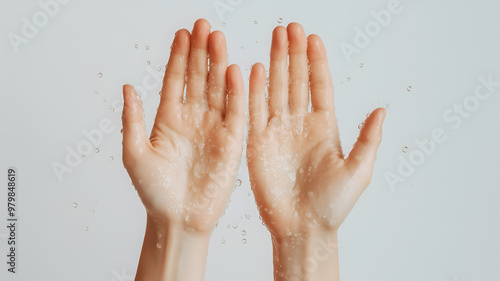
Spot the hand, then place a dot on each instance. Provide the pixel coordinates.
(184, 173)
(303, 186)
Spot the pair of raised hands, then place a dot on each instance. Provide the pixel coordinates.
(184, 172)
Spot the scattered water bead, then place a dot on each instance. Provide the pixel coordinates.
(238, 182)
(248, 216)
(100, 75)
(280, 20)
(228, 226)
(111, 158)
(254, 22)
(405, 149)
(387, 106)
(235, 225)
(244, 241)
(243, 232)
(112, 109)
(409, 88)
(86, 228)
(308, 214)
(147, 47)
(249, 194)
(148, 62)
(97, 150)
(348, 78)
(75, 205)
(158, 245)
(136, 46)
(360, 126)
(96, 92)
(158, 69)
(223, 241)
(361, 65)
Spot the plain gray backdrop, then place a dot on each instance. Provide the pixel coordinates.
(440, 223)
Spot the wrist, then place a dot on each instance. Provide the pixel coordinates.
(172, 253)
(311, 255)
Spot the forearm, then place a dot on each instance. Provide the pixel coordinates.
(169, 253)
(307, 257)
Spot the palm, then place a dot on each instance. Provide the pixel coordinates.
(192, 168)
(303, 164)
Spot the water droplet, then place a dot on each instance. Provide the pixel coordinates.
(228, 226)
(243, 232)
(361, 65)
(100, 75)
(280, 20)
(97, 150)
(238, 182)
(308, 214)
(360, 126)
(248, 216)
(136, 46)
(348, 78)
(111, 158)
(112, 109)
(387, 106)
(158, 69)
(244, 241)
(409, 88)
(223, 241)
(86, 228)
(148, 62)
(235, 225)
(83, 155)
(75, 205)
(96, 92)
(249, 194)
(254, 22)
(405, 149)
(158, 245)
(147, 47)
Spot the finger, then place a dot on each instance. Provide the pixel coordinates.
(321, 81)
(257, 98)
(299, 72)
(197, 66)
(217, 75)
(175, 73)
(135, 139)
(235, 111)
(278, 73)
(364, 152)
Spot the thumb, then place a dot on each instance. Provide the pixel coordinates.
(364, 152)
(134, 131)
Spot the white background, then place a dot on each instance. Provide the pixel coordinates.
(441, 223)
